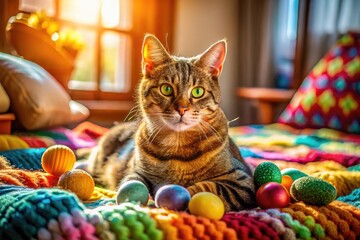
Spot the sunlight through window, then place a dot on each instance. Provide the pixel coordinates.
(34, 5)
(110, 13)
(75, 11)
(114, 62)
(103, 64)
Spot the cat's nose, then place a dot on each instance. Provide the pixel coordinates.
(182, 110)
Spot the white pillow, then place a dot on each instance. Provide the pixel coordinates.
(36, 98)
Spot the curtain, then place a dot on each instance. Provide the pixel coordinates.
(256, 53)
(267, 41)
(8, 8)
(328, 19)
(258, 31)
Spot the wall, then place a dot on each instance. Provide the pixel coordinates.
(198, 24)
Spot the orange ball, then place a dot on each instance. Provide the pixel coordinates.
(287, 181)
(58, 159)
(79, 182)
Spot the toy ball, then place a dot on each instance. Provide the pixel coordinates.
(272, 195)
(207, 205)
(58, 159)
(287, 182)
(79, 182)
(293, 173)
(313, 191)
(132, 191)
(173, 197)
(83, 165)
(266, 172)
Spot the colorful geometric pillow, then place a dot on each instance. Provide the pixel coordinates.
(329, 97)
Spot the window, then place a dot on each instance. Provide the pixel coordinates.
(104, 63)
(108, 66)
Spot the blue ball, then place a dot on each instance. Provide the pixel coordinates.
(172, 197)
(132, 191)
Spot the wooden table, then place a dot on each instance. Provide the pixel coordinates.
(266, 99)
(5, 122)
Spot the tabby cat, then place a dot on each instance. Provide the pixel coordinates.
(180, 134)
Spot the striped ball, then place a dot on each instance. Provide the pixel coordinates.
(58, 159)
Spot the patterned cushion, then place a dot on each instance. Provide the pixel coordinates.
(330, 95)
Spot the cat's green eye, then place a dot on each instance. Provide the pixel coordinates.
(166, 89)
(198, 92)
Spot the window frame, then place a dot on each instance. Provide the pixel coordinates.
(145, 19)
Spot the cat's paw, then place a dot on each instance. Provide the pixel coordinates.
(192, 190)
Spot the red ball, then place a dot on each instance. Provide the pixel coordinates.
(272, 195)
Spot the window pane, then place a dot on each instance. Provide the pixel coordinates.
(84, 75)
(80, 11)
(115, 62)
(116, 14)
(34, 5)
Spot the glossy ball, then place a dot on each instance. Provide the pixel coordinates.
(207, 205)
(287, 182)
(132, 191)
(173, 197)
(79, 182)
(272, 195)
(58, 159)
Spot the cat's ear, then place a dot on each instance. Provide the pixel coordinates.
(153, 53)
(213, 58)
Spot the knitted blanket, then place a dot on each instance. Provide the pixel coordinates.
(281, 142)
(31, 209)
(83, 136)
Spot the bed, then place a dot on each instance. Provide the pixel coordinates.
(306, 137)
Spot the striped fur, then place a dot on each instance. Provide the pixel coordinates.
(178, 138)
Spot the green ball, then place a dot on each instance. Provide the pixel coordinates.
(266, 172)
(312, 190)
(293, 173)
(132, 191)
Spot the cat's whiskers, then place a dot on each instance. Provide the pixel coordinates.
(157, 132)
(135, 112)
(156, 126)
(203, 133)
(211, 129)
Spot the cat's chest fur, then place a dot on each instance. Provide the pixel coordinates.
(182, 160)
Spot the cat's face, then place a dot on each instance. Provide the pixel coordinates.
(180, 94)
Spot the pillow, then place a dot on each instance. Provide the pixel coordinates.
(9, 142)
(329, 97)
(4, 100)
(36, 98)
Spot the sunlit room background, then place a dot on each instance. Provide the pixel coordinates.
(271, 44)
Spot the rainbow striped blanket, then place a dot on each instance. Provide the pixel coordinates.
(30, 209)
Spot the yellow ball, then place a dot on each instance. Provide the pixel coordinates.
(206, 204)
(58, 159)
(79, 182)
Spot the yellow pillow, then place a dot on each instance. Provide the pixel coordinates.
(9, 142)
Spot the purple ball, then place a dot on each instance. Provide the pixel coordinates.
(173, 197)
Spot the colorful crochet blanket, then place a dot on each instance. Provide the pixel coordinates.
(31, 209)
(83, 136)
